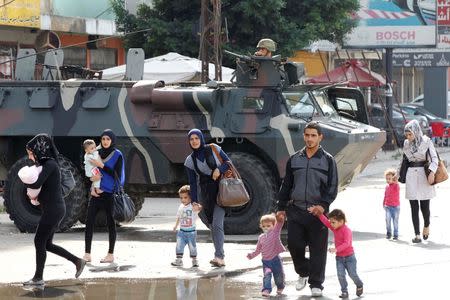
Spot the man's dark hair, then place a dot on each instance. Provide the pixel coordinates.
(313, 125)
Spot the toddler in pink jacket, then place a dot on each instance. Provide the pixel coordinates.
(345, 256)
(29, 175)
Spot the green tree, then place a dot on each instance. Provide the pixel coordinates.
(174, 24)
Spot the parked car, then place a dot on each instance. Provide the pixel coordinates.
(420, 99)
(377, 118)
(415, 109)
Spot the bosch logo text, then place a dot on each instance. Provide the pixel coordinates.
(395, 35)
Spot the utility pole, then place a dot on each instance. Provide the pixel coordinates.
(210, 39)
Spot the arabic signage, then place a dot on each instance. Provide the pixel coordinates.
(421, 59)
(443, 23)
(394, 24)
(23, 13)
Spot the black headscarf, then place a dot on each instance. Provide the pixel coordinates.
(104, 152)
(43, 148)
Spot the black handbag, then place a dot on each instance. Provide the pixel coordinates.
(67, 182)
(403, 169)
(123, 207)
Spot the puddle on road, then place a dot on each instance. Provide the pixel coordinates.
(217, 288)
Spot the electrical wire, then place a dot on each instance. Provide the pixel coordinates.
(5, 4)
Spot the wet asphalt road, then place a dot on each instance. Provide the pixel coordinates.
(389, 269)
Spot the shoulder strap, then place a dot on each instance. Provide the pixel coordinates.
(216, 152)
(194, 160)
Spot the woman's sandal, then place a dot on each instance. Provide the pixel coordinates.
(87, 258)
(107, 259)
(425, 233)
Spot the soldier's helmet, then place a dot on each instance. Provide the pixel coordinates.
(268, 44)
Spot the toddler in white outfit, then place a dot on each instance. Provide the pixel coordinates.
(91, 152)
(29, 175)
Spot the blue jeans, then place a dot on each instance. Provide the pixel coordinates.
(273, 267)
(218, 234)
(186, 238)
(392, 214)
(347, 263)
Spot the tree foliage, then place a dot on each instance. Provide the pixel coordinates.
(174, 24)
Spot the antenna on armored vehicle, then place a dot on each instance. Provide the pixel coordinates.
(210, 39)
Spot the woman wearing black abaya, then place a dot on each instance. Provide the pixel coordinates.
(42, 151)
(111, 163)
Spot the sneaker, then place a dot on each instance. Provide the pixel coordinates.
(280, 291)
(301, 283)
(34, 281)
(217, 262)
(395, 238)
(316, 292)
(265, 293)
(359, 291)
(343, 295)
(178, 262)
(388, 236)
(194, 262)
(416, 240)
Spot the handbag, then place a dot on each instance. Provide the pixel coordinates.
(232, 191)
(403, 169)
(441, 172)
(67, 182)
(123, 207)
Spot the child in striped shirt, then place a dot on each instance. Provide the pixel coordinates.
(270, 246)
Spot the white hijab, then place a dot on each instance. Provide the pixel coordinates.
(419, 146)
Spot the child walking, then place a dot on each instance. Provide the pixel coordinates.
(187, 235)
(91, 153)
(345, 256)
(391, 202)
(270, 246)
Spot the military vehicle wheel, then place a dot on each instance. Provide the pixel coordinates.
(25, 215)
(261, 187)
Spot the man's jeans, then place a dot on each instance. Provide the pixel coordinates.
(392, 214)
(273, 267)
(347, 263)
(186, 238)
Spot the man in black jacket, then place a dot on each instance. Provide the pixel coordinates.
(311, 182)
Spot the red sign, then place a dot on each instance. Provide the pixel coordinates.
(443, 13)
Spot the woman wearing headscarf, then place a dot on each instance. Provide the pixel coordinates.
(111, 165)
(204, 168)
(419, 148)
(42, 151)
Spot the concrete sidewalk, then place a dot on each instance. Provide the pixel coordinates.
(389, 269)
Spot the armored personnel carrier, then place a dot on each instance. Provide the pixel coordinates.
(258, 120)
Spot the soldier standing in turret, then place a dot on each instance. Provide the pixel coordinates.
(265, 48)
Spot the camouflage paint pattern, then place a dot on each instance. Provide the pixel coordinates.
(151, 122)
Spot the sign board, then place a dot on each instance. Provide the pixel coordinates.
(394, 24)
(421, 59)
(443, 23)
(23, 13)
